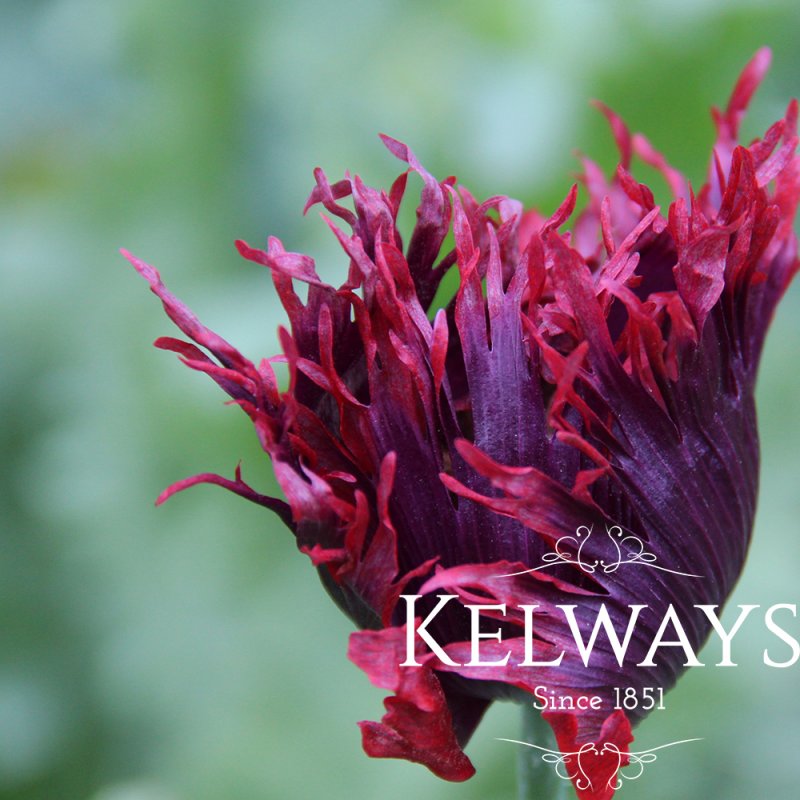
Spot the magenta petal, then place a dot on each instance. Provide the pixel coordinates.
(417, 725)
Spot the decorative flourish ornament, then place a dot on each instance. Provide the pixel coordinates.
(626, 548)
(577, 765)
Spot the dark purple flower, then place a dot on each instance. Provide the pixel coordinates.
(599, 380)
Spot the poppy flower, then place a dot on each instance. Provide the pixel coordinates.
(572, 435)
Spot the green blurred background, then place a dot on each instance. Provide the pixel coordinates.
(189, 653)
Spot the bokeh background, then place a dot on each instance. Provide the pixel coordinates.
(189, 653)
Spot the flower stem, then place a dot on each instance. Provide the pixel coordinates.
(537, 779)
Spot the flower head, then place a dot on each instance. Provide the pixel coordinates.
(594, 384)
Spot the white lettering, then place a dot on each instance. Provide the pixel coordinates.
(726, 638)
(411, 600)
(603, 620)
(529, 662)
(681, 641)
(476, 636)
(782, 635)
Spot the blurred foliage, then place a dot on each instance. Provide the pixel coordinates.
(189, 652)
